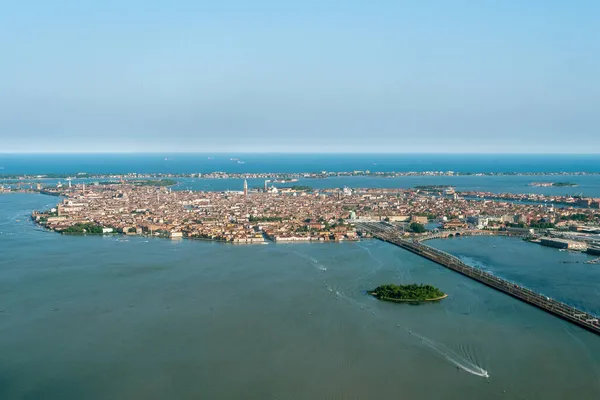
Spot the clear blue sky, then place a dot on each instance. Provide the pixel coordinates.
(393, 76)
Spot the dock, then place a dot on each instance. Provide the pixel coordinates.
(391, 235)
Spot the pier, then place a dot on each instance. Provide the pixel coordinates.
(391, 235)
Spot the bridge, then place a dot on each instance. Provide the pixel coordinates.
(464, 232)
(391, 235)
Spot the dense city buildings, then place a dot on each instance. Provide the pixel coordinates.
(287, 214)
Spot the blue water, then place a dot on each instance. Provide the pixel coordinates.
(194, 163)
(562, 275)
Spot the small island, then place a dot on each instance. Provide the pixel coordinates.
(555, 184)
(432, 187)
(564, 184)
(408, 293)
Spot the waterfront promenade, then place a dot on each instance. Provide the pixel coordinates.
(390, 234)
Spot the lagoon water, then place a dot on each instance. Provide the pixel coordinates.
(108, 317)
(562, 275)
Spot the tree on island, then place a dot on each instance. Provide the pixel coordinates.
(417, 227)
(564, 184)
(410, 292)
(575, 217)
(81, 228)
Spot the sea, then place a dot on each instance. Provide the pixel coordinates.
(112, 317)
(288, 163)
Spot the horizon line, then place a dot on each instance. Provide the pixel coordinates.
(287, 153)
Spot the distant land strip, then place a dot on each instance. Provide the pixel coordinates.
(282, 175)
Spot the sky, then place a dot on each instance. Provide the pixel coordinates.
(307, 76)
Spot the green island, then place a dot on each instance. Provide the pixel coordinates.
(408, 293)
(564, 184)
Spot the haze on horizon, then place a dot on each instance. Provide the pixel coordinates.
(269, 76)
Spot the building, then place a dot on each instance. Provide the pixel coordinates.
(454, 224)
(419, 219)
(245, 188)
(175, 234)
(521, 218)
(478, 221)
(584, 202)
(520, 231)
(395, 218)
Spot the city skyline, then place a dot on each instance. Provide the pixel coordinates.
(312, 77)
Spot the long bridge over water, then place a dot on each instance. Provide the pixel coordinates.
(391, 235)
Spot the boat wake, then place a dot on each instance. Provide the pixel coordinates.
(365, 248)
(311, 261)
(454, 358)
(373, 270)
(349, 300)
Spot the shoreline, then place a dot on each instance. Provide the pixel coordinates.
(228, 242)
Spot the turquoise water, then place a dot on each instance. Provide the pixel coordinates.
(272, 162)
(562, 275)
(109, 317)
